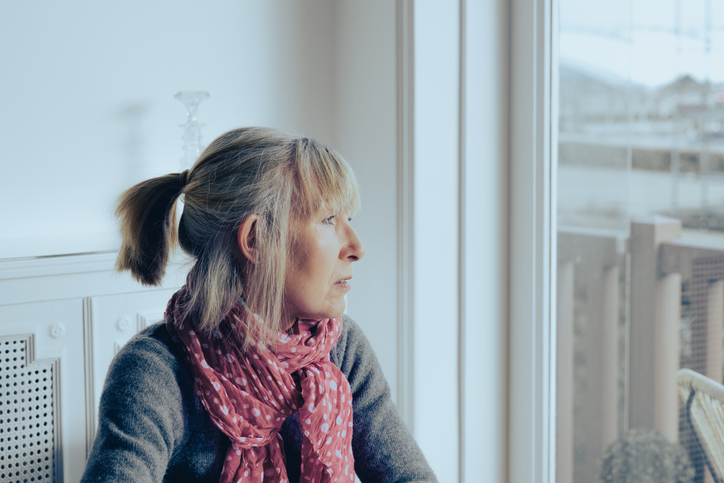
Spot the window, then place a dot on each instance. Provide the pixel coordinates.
(640, 235)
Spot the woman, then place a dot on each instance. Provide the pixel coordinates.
(256, 374)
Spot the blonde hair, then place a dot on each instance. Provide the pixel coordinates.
(248, 171)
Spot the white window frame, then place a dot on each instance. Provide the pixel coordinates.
(533, 154)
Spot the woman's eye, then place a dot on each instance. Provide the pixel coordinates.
(329, 220)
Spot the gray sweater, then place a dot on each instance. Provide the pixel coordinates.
(153, 427)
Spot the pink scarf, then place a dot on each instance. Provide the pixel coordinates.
(250, 394)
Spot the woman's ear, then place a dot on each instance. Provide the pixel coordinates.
(246, 237)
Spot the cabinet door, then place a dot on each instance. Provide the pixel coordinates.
(42, 404)
(111, 320)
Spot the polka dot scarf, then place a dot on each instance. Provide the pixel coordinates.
(249, 395)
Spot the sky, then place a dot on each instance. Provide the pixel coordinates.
(650, 42)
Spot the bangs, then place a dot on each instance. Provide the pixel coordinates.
(323, 180)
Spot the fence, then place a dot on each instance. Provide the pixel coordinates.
(619, 336)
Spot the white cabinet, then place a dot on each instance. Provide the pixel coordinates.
(62, 320)
(41, 391)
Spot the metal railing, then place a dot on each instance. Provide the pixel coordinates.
(619, 306)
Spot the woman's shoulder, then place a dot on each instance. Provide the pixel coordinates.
(148, 377)
(352, 349)
(152, 341)
(149, 357)
(350, 332)
(155, 337)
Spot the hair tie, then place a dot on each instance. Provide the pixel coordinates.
(184, 178)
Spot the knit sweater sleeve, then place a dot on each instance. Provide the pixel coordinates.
(141, 416)
(383, 448)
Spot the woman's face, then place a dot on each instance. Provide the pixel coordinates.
(320, 267)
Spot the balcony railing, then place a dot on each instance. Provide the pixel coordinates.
(620, 336)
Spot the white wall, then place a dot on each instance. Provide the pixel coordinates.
(365, 133)
(89, 109)
(436, 205)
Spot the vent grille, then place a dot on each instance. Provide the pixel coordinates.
(26, 416)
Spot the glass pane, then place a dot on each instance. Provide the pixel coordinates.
(640, 292)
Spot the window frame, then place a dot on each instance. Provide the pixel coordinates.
(533, 154)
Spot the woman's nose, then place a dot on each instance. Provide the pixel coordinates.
(355, 248)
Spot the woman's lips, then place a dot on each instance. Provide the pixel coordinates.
(344, 283)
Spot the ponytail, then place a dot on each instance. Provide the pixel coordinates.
(147, 213)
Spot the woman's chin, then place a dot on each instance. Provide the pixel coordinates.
(334, 313)
(327, 314)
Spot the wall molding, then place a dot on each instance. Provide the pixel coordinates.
(405, 214)
(90, 410)
(57, 420)
(77, 276)
(145, 319)
(462, 204)
(60, 265)
(72, 264)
